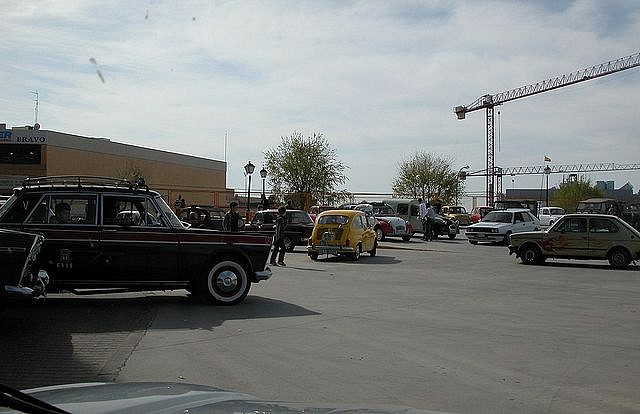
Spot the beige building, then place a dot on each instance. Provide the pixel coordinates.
(27, 152)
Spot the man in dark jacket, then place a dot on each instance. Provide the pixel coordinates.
(278, 238)
(231, 219)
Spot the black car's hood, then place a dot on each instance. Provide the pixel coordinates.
(159, 397)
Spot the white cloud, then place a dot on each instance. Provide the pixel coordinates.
(380, 79)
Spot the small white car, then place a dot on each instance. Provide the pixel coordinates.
(498, 225)
(549, 215)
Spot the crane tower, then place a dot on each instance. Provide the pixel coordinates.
(489, 101)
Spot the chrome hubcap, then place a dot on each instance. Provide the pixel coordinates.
(227, 281)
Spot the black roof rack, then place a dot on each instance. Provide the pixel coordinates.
(77, 181)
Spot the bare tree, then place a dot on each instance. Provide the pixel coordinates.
(302, 165)
(427, 176)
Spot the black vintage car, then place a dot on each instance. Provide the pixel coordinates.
(443, 226)
(107, 234)
(297, 232)
(20, 274)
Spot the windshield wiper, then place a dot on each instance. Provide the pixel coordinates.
(17, 400)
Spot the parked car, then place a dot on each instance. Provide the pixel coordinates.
(531, 205)
(21, 276)
(374, 223)
(206, 217)
(549, 215)
(342, 233)
(580, 236)
(297, 232)
(458, 213)
(498, 225)
(100, 243)
(315, 210)
(478, 213)
(408, 210)
(390, 225)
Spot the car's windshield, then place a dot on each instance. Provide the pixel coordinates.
(498, 217)
(333, 219)
(457, 210)
(383, 211)
(169, 214)
(7, 205)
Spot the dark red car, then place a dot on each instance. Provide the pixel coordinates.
(107, 234)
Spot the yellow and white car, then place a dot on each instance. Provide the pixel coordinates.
(342, 233)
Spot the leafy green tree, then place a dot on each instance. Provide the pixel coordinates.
(428, 176)
(570, 193)
(301, 166)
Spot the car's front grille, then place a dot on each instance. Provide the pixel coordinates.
(480, 230)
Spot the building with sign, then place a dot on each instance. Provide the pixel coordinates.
(28, 152)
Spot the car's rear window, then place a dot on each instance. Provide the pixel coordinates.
(333, 220)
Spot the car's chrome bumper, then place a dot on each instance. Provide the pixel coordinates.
(324, 249)
(22, 292)
(485, 237)
(263, 274)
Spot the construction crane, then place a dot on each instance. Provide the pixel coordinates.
(490, 101)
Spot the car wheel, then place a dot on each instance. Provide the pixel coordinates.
(619, 258)
(379, 234)
(226, 283)
(288, 244)
(452, 236)
(530, 254)
(406, 238)
(473, 242)
(313, 255)
(373, 251)
(356, 254)
(506, 238)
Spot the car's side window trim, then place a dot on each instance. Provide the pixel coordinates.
(145, 198)
(49, 196)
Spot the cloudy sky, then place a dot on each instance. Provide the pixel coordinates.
(378, 78)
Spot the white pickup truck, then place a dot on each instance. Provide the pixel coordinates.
(549, 215)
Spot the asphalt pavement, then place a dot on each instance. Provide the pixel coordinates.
(439, 325)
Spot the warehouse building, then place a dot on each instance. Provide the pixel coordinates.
(32, 152)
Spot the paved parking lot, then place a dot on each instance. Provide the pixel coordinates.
(441, 325)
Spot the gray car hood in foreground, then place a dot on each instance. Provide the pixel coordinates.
(159, 397)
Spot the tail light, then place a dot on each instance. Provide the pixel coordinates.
(347, 243)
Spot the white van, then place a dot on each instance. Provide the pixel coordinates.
(407, 209)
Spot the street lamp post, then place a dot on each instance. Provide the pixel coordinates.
(248, 169)
(263, 174)
(547, 171)
(461, 176)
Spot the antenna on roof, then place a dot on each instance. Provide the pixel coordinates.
(37, 101)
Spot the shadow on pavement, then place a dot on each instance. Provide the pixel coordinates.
(603, 265)
(67, 339)
(364, 258)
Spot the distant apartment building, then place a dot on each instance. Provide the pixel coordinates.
(28, 152)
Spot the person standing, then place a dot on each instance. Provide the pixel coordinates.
(423, 217)
(230, 222)
(431, 215)
(278, 238)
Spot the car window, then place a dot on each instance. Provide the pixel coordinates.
(16, 212)
(572, 225)
(518, 218)
(299, 217)
(403, 209)
(130, 212)
(331, 219)
(357, 222)
(598, 225)
(556, 211)
(498, 217)
(414, 210)
(527, 217)
(65, 209)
